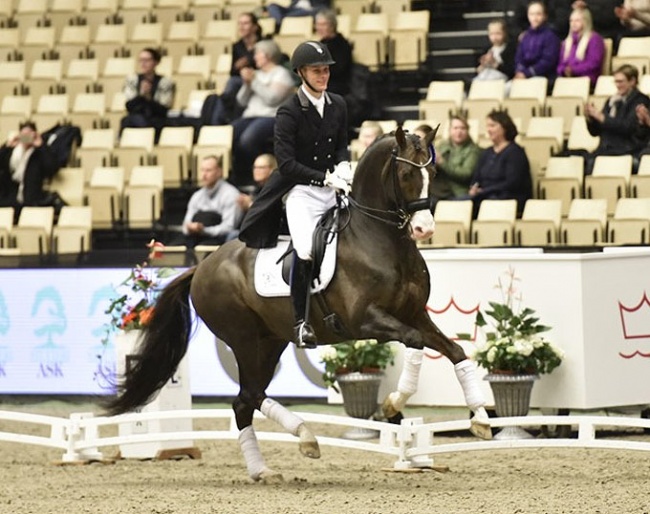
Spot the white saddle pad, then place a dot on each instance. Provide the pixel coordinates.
(268, 272)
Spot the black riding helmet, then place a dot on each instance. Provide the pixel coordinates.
(311, 53)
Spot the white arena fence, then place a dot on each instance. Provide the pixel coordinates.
(412, 443)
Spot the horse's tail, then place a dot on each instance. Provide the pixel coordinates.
(164, 343)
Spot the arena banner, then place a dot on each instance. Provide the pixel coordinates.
(53, 321)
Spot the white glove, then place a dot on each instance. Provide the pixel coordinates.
(336, 182)
(344, 170)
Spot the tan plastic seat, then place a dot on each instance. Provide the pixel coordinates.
(105, 196)
(80, 76)
(610, 179)
(95, 150)
(631, 222)
(213, 140)
(443, 99)
(73, 232)
(293, 31)
(44, 77)
(453, 221)
(494, 224)
(526, 100)
(563, 181)
(539, 224)
(585, 224)
(143, 197)
(69, 183)
(74, 41)
(88, 110)
(182, 36)
(173, 154)
(135, 146)
(33, 232)
(13, 111)
(51, 109)
(640, 183)
(6, 224)
(370, 37)
(579, 136)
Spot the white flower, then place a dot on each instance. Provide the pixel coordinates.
(360, 344)
(327, 353)
(491, 354)
(394, 350)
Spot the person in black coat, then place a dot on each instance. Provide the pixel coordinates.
(617, 124)
(311, 147)
(503, 170)
(325, 26)
(25, 163)
(497, 61)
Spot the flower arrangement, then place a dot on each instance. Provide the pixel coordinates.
(133, 310)
(363, 355)
(515, 344)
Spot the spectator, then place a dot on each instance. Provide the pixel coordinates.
(583, 50)
(503, 171)
(634, 15)
(262, 92)
(423, 130)
(539, 47)
(213, 214)
(605, 21)
(25, 163)
(148, 95)
(295, 8)
(263, 166)
(325, 25)
(243, 52)
(456, 160)
(617, 123)
(498, 61)
(558, 16)
(370, 130)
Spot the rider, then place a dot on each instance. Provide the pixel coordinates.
(311, 149)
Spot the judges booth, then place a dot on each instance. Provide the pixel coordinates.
(51, 327)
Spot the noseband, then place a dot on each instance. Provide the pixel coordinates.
(401, 216)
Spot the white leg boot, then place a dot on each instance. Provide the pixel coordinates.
(480, 423)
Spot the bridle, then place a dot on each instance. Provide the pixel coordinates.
(401, 216)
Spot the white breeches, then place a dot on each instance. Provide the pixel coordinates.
(305, 205)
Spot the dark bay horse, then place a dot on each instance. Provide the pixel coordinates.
(379, 291)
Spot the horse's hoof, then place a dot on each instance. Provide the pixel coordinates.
(388, 409)
(308, 443)
(270, 477)
(310, 449)
(480, 429)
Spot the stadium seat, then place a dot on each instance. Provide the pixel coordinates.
(69, 183)
(34, 229)
(6, 224)
(407, 38)
(495, 223)
(369, 38)
(585, 224)
(610, 179)
(539, 224)
(143, 197)
(105, 196)
(73, 231)
(631, 222)
(453, 221)
(173, 154)
(562, 180)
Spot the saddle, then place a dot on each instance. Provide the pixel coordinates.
(273, 267)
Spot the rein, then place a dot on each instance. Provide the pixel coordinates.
(400, 217)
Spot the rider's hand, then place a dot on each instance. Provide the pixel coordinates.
(344, 170)
(336, 182)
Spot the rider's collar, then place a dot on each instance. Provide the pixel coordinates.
(304, 100)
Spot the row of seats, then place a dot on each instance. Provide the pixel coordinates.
(542, 224)
(528, 98)
(378, 38)
(50, 76)
(36, 233)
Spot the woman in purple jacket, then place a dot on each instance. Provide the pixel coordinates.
(583, 49)
(539, 47)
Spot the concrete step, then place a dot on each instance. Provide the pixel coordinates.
(462, 57)
(461, 39)
(480, 20)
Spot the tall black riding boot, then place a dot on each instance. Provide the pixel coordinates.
(304, 336)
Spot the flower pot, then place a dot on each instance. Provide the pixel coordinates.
(360, 391)
(511, 398)
(174, 395)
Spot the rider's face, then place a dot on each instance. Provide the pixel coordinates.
(317, 77)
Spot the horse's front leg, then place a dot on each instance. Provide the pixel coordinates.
(383, 326)
(293, 424)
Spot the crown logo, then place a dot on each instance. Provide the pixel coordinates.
(635, 322)
(453, 319)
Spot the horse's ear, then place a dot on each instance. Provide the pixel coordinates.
(400, 137)
(430, 137)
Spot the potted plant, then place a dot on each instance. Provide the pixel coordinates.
(129, 313)
(515, 353)
(355, 369)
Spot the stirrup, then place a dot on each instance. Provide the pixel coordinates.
(304, 336)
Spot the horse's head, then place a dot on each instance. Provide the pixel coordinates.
(407, 169)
